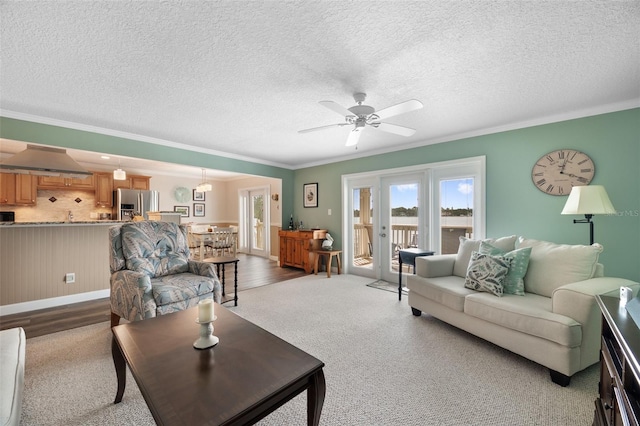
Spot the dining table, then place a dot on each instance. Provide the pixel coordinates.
(203, 237)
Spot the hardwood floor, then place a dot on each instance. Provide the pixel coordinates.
(253, 271)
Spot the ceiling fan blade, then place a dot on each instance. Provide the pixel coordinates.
(336, 107)
(354, 136)
(313, 129)
(400, 108)
(394, 128)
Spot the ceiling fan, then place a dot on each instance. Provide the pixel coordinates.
(364, 115)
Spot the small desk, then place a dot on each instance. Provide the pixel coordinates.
(408, 256)
(328, 254)
(222, 261)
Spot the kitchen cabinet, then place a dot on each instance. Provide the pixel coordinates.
(132, 182)
(26, 190)
(58, 182)
(7, 189)
(17, 189)
(104, 189)
(296, 247)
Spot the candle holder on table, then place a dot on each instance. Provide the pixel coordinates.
(206, 339)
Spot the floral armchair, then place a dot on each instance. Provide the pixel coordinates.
(151, 273)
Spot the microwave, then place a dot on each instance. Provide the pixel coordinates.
(7, 217)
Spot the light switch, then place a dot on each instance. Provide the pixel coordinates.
(329, 212)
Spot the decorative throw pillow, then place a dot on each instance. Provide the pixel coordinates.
(468, 246)
(514, 281)
(553, 265)
(486, 273)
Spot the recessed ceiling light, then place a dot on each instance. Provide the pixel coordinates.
(105, 157)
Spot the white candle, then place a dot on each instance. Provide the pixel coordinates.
(205, 310)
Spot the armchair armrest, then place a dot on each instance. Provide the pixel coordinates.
(577, 301)
(206, 269)
(435, 266)
(130, 291)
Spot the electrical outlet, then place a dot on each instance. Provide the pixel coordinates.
(70, 278)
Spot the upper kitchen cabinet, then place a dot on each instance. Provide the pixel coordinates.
(7, 189)
(132, 182)
(57, 182)
(26, 190)
(104, 189)
(17, 189)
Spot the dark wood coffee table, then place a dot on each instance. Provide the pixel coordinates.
(242, 379)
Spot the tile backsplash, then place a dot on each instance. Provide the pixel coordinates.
(80, 203)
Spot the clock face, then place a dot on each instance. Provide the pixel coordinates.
(557, 172)
(182, 194)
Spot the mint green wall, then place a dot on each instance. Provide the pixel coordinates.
(514, 205)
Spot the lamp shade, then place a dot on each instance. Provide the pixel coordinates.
(588, 199)
(119, 174)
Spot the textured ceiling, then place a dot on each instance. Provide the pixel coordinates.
(243, 77)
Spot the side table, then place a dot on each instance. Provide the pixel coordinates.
(408, 256)
(222, 261)
(328, 254)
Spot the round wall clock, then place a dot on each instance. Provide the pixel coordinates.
(557, 172)
(182, 194)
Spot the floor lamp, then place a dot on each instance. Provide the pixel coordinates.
(588, 200)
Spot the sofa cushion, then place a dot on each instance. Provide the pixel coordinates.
(519, 262)
(553, 265)
(530, 314)
(12, 359)
(155, 248)
(486, 273)
(170, 289)
(448, 291)
(468, 246)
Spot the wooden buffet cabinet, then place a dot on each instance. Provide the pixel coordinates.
(619, 389)
(296, 247)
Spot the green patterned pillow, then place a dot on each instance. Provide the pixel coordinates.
(514, 281)
(486, 273)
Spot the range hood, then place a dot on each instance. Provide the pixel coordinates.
(44, 161)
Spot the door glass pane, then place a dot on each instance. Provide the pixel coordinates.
(456, 213)
(404, 220)
(258, 222)
(362, 227)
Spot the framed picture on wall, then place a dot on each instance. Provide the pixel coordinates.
(198, 209)
(198, 196)
(310, 194)
(183, 210)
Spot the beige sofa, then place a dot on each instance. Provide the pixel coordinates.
(12, 358)
(554, 321)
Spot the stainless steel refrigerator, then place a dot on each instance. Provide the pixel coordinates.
(132, 202)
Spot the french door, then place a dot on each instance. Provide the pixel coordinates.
(427, 207)
(254, 221)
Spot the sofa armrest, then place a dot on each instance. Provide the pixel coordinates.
(577, 301)
(206, 269)
(435, 266)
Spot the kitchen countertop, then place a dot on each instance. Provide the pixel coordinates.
(61, 223)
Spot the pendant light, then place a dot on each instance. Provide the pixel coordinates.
(119, 174)
(204, 186)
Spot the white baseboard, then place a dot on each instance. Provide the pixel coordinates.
(34, 305)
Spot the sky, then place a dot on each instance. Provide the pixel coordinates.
(457, 194)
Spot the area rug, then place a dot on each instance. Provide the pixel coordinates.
(387, 286)
(383, 366)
